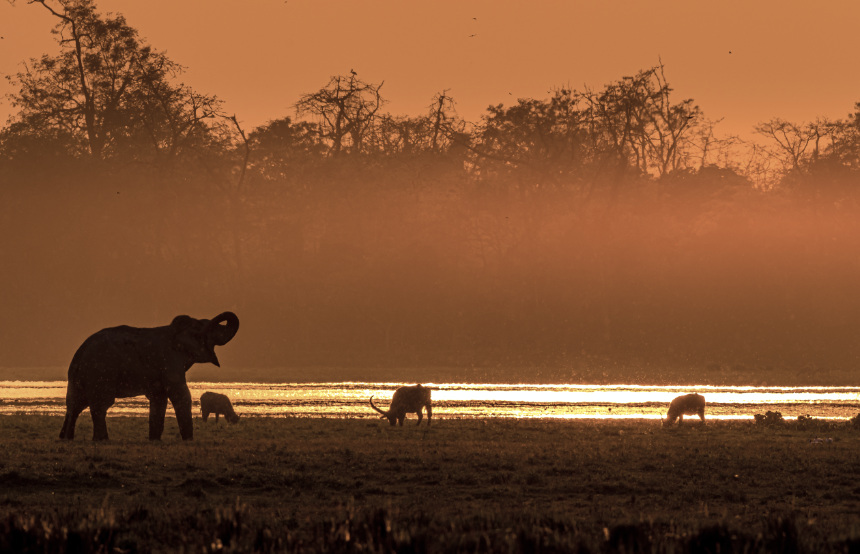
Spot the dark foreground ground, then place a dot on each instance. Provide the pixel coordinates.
(318, 485)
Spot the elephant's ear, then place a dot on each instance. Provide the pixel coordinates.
(190, 337)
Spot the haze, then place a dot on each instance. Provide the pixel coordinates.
(511, 185)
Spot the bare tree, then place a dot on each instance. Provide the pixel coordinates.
(434, 132)
(669, 126)
(346, 109)
(636, 122)
(443, 115)
(791, 144)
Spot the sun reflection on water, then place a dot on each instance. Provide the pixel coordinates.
(461, 400)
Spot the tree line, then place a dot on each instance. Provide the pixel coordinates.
(591, 225)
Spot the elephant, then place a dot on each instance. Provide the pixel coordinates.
(214, 403)
(121, 362)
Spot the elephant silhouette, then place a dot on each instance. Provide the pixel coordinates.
(121, 362)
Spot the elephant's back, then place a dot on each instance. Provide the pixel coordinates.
(110, 348)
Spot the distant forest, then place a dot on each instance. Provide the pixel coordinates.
(590, 227)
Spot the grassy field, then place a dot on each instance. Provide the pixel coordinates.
(318, 485)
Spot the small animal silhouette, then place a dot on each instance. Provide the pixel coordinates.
(687, 404)
(407, 400)
(214, 403)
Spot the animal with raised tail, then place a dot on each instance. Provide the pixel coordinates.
(215, 403)
(407, 400)
(687, 404)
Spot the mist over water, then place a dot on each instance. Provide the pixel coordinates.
(614, 226)
(460, 400)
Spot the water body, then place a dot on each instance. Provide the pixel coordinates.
(460, 400)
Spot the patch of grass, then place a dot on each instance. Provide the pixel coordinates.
(769, 419)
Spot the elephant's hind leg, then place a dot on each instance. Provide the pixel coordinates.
(157, 408)
(72, 413)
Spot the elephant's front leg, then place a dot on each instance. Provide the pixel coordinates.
(180, 397)
(157, 408)
(98, 412)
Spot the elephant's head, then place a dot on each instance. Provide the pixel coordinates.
(198, 337)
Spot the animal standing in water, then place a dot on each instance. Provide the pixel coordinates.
(120, 362)
(214, 403)
(407, 400)
(687, 404)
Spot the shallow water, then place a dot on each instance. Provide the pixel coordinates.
(459, 400)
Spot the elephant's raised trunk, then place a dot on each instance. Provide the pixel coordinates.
(221, 334)
(384, 414)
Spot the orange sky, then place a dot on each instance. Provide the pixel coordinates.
(795, 59)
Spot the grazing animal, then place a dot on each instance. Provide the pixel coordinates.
(121, 362)
(214, 403)
(407, 400)
(687, 404)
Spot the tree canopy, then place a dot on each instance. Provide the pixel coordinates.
(106, 93)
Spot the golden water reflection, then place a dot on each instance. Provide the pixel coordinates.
(461, 400)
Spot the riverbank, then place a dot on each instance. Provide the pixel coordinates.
(496, 485)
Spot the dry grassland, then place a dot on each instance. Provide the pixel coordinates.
(286, 484)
